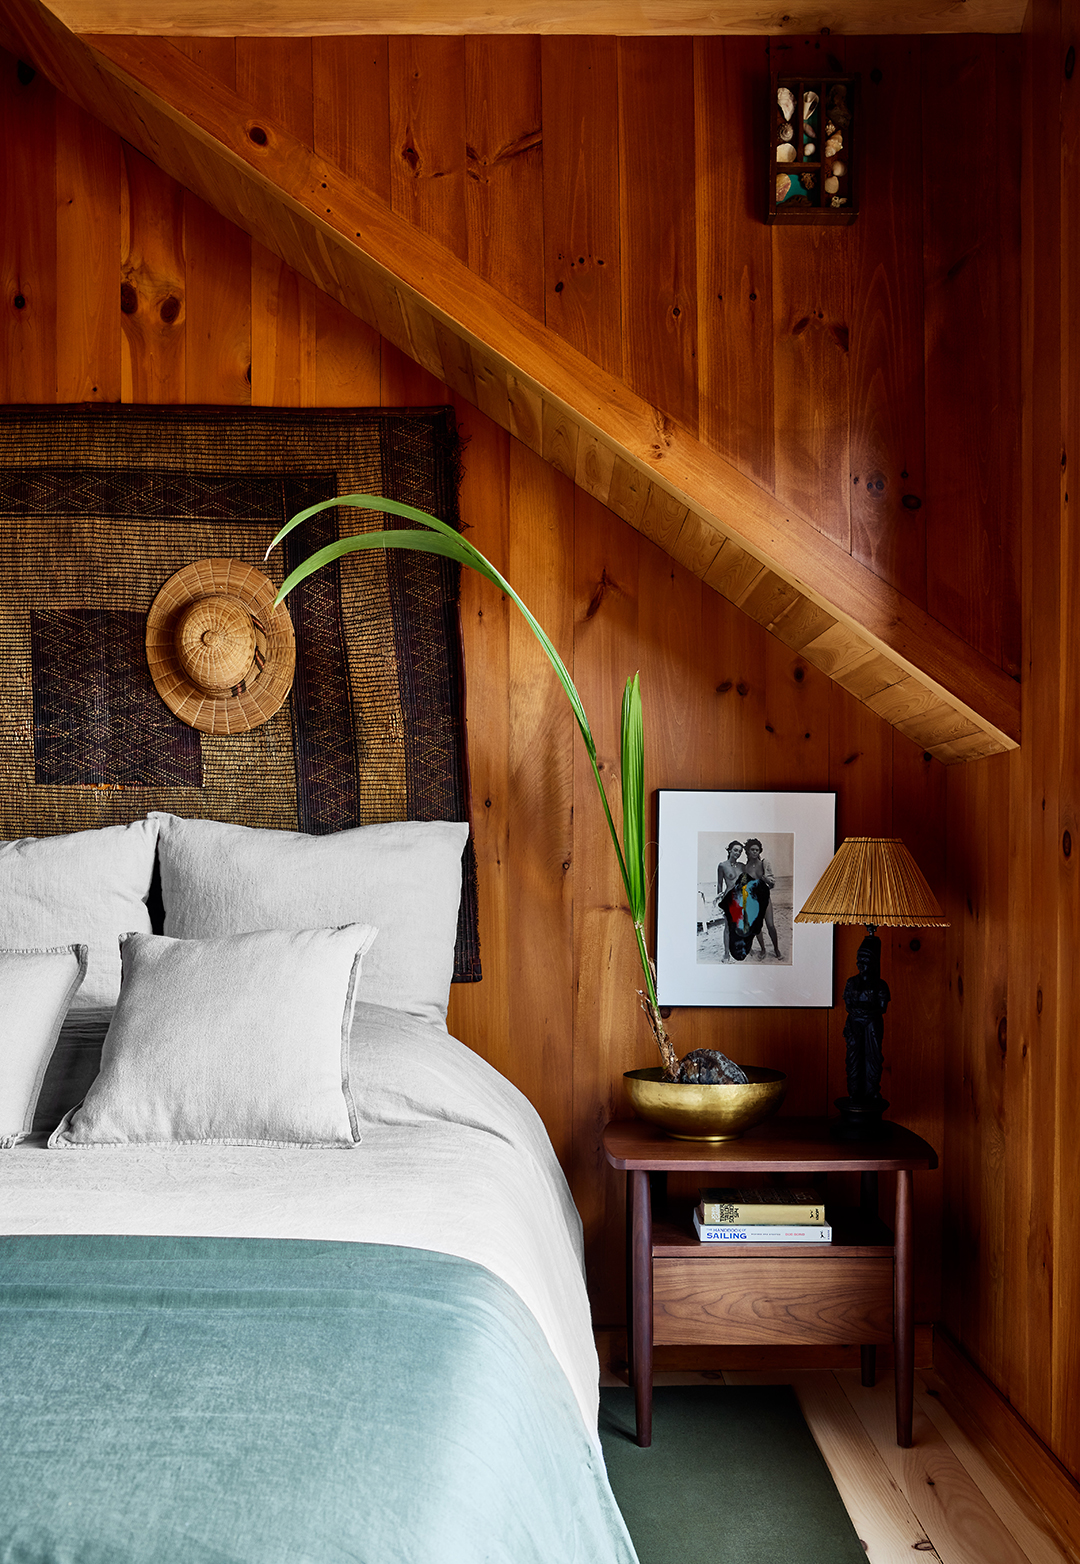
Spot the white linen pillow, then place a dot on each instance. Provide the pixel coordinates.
(241, 1041)
(36, 989)
(86, 886)
(404, 877)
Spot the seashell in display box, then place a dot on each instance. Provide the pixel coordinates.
(813, 171)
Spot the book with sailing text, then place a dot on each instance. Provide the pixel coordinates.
(761, 1233)
(767, 1204)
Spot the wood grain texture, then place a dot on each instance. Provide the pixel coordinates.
(217, 359)
(351, 108)
(1065, 1360)
(29, 276)
(544, 752)
(887, 407)
(761, 1300)
(734, 253)
(276, 73)
(538, 16)
(427, 137)
(153, 285)
(659, 253)
(1015, 1504)
(87, 243)
(481, 1011)
(942, 1495)
(963, 363)
(504, 186)
(881, 1515)
(582, 278)
(283, 313)
(235, 179)
(984, 1413)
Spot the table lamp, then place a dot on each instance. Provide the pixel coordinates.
(874, 881)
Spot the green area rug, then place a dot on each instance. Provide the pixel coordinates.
(733, 1476)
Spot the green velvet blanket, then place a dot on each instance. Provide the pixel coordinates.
(249, 1401)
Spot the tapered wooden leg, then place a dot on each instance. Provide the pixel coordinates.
(903, 1317)
(641, 1327)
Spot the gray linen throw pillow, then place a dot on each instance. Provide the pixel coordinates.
(36, 988)
(403, 876)
(241, 1041)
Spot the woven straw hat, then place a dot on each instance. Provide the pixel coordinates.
(220, 654)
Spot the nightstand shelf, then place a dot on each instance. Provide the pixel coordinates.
(682, 1292)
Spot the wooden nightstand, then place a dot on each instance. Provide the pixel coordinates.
(856, 1289)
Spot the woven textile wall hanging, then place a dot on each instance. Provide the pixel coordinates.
(100, 505)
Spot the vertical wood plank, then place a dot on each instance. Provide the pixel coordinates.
(1036, 1018)
(351, 94)
(812, 303)
(87, 255)
(216, 55)
(405, 384)
(348, 358)
(657, 202)
(479, 1013)
(967, 555)
(153, 286)
(283, 343)
(917, 977)
(504, 188)
(734, 254)
(276, 74)
(611, 1034)
(885, 383)
(1065, 1359)
(543, 751)
(217, 354)
(28, 218)
(582, 284)
(427, 136)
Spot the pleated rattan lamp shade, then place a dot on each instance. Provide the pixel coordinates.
(873, 880)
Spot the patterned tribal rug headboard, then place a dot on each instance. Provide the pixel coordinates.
(100, 505)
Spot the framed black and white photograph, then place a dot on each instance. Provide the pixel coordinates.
(733, 870)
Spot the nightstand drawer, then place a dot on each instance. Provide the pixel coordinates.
(748, 1300)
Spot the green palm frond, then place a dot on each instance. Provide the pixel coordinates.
(439, 538)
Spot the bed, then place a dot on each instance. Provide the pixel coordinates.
(234, 1329)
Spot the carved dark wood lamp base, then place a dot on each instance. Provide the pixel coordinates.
(875, 882)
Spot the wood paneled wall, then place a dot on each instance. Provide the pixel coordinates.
(614, 188)
(825, 362)
(1011, 1170)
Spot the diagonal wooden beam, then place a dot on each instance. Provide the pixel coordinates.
(882, 647)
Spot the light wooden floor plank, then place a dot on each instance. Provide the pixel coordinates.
(961, 1525)
(1020, 1514)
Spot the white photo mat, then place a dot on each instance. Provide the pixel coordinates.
(697, 953)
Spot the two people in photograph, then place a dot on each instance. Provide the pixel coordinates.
(743, 894)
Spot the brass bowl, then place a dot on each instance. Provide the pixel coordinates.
(690, 1112)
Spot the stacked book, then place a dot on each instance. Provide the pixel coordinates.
(761, 1216)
